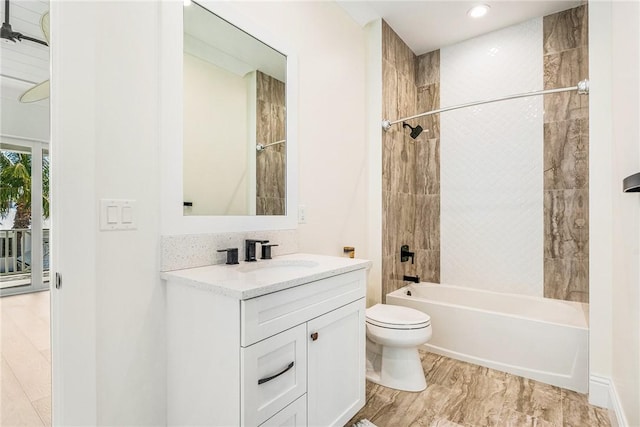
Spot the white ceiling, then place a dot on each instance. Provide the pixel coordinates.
(25, 60)
(423, 25)
(429, 25)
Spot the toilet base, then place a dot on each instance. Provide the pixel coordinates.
(395, 367)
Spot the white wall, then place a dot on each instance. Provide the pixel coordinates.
(626, 207)
(491, 233)
(600, 201)
(333, 162)
(614, 41)
(215, 139)
(129, 296)
(111, 307)
(373, 31)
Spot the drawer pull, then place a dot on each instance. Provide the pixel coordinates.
(264, 380)
(314, 336)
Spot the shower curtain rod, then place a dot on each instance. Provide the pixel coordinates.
(260, 147)
(582, 87)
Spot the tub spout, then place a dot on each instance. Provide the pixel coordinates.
(414, 279)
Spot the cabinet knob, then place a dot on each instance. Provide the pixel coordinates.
(314, 336)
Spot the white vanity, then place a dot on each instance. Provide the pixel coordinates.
(269, 343)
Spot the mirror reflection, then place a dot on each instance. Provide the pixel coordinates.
(234, 137)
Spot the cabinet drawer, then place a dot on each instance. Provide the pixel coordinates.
(294, 415)
(267, 315)
(274, 374)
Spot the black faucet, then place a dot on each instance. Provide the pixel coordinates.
(250, 249)
(414, 279)
(232, 255)
(266, 251)
(405, 254)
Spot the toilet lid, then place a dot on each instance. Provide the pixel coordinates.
(398, 316)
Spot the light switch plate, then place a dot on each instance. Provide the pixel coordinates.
(117, 214)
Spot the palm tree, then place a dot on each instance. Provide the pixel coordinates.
(15, 187)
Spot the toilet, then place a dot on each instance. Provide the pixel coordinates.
(393, 336)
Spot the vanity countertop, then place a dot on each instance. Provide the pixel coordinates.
(253, 279)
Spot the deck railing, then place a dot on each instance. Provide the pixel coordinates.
(15, 253)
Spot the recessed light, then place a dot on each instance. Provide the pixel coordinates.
(478, 11)
(187, 2)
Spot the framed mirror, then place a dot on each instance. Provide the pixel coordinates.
(228, 124)
(234, 119)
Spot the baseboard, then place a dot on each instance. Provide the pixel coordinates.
(599, 391)
(616, 407)
(603, 393)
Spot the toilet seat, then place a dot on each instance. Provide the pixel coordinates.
(397, 317)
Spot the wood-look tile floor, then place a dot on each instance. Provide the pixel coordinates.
(25, 350)
(462, 394)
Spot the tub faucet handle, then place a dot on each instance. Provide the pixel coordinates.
(405, 254)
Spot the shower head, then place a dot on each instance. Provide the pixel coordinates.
(415, 131)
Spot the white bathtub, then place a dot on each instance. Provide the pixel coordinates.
(538, 338)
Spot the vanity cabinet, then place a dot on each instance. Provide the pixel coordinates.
(293, 357)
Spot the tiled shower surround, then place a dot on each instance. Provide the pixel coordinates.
(491, 230)
(270, 163)
(411, 169)
(566, 157)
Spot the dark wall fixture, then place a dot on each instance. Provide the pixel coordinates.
(631, 184)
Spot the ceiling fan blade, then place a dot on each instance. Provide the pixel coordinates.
(40, 91)
(44, 24)
(36, 93)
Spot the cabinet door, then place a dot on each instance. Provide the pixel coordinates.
(336, 368)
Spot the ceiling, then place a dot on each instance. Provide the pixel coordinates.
(423, 25)
(25, 60)
(429, 25)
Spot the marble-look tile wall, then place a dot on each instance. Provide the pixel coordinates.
(427, 172)
(566, 157)
(410, 169)
(270, 163)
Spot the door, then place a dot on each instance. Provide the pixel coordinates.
(336, 367)
(24, 217)
(74, 212)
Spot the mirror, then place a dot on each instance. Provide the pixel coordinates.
(234, 120)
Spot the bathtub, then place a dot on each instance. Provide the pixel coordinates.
(537, 338)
